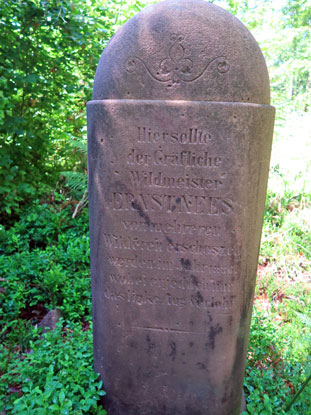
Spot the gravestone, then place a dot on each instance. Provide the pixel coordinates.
(179, 135)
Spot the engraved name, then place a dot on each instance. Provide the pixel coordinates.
(153, 202)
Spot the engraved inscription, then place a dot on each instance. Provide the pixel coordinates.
(166, 265)
(178, 66)
(169, 203)
(221, 303)
(184, 158)
(172, 282)
(193, 135)
(160, 180)
(172, 227)
(168, 250)
(130, 243)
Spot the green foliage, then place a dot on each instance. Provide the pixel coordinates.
(77, 181)
(45, 260)
(278, 365)
(283, 32)
(45, 264)
(55, 377)
(266, 389)
(270, 381)
(47, 68)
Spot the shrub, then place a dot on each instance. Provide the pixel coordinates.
(55, 377)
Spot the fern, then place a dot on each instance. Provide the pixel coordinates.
(76, 181)
(80, 145)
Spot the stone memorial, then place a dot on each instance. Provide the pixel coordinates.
(179, 141)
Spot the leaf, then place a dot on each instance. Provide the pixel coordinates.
(61, 396)
(31, 78)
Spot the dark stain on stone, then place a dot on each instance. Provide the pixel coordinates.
(198, 298)
(239, 355)
(228, 395)
(201, 366)
(194, 279)
(191, 344)
(150, 344)
(213, 332)
(169, 240)
(239, 348)
(225, 395)
(173, 350)
(186, 263)
(140, 211)
(133, 344)
(228, 392)
(178, 200)
(209, 315)
(243, 315)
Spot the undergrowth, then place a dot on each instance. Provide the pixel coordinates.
(44, 265)
(279, 356)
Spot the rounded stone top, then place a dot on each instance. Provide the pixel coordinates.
(183, 50)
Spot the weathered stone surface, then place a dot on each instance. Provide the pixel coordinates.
(184, 50)
(177, 182)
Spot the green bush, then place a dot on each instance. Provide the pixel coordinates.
(55, 377)
(273, 377)
(44, 261)
(49, 53)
